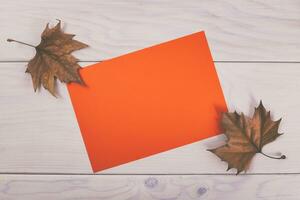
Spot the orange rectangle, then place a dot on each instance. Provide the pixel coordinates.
(148, 101)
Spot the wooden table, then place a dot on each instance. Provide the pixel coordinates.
(256, 49)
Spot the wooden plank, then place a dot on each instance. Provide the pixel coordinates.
(39, 133)
(149, 187)
(236, 30)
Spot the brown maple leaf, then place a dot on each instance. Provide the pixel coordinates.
(246, 137)
(53, 59)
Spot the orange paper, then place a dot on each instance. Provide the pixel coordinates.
(148, 101)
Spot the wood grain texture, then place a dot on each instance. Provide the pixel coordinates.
(39, 133)
(149, 187)
(266, 30)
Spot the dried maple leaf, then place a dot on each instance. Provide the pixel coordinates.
(53, 59)
(246, 137)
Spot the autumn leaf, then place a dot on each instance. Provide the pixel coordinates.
(246, 137)
(53, 59)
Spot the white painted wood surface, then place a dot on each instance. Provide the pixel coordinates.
(237, 30)
(263, 187)
(41, 150)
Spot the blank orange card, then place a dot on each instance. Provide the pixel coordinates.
(148, 101)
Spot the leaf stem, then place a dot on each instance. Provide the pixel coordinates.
(281, 157)
(12, 40)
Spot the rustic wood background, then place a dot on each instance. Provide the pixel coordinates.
(256, 49)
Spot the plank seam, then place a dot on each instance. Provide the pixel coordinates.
(147, 174)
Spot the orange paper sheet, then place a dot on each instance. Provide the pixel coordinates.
(148, 101)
